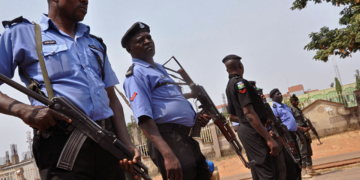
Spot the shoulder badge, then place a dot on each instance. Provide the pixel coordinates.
(241, 87)
(12, 22)
(130, 71)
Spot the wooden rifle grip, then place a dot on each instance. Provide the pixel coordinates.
(185, 76)
(220, 125)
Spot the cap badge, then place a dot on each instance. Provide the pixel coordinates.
(141, 25)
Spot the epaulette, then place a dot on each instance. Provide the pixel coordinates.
(130, 71)
(14, 21)
(97, 38)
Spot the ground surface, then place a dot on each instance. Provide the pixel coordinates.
(332, 145)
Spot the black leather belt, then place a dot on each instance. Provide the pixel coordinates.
(169, 128)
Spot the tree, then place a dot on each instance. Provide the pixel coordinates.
(129, 129)
(342, 42)
(339, 90)
(357, 79)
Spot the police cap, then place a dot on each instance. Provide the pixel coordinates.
(272, 92)
(136, 28)
(231, 56)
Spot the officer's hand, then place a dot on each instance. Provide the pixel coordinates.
(307, 129)
(42, 117)
(204, 119)
(127, 165)
(173, 168)
(274, 147)
(272, 134)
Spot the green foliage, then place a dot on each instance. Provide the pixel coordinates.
(342, 42)
(338, 88)
(357, 79)
(129, 129)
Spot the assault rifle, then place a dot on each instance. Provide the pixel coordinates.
(84, 127)
(283, 134)
(308, 122)
(209, 108)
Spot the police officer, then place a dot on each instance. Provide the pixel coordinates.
(162, 112)
(305, 146)
(74, 72)
(284, 112)
(245, 104)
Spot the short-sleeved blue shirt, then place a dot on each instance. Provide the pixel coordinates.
(72, 66)
(286, 116)
(164, 104)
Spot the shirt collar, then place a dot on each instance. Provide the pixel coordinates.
(277, 104)
(233, 75)
(46, 23)
(145, 64)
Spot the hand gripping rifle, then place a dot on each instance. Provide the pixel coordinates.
(283, 134)
(84, 126)
(209, 108)
(308, 122)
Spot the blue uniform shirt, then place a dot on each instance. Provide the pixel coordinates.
(286, 116)
(211, 166)
(71, 64)
(164, 104)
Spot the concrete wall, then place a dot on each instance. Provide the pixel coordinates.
(331, 118)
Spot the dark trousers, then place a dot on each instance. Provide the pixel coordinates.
(92, 161)
(256, 149)
(293, 171)
(187, 150)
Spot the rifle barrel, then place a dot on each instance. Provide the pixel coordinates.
(24, 90)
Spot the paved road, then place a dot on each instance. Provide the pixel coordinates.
(319, 161)
(341, 174)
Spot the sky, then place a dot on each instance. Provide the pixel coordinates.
(268, 36)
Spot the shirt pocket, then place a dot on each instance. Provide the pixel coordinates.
(58, 61)
(173, 89)
(96, 60)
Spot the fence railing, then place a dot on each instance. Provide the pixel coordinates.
(205, 134)
(144, 149)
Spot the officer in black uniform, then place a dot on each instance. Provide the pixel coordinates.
(245, 104)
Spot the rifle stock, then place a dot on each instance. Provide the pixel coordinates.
(106, 140)
(209, 108)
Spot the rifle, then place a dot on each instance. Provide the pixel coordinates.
(84, 126)
(308, 122)
(209, 108)
(283, 134)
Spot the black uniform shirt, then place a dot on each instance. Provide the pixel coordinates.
(239, 94)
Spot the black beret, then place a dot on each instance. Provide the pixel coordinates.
(134, 29)
(272, 92)
(253, 83)
(231, 56)
(294, 98)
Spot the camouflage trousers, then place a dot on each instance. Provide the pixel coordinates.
(305, 148)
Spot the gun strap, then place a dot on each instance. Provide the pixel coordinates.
(71, 150)
(38, 42)
(33, 85)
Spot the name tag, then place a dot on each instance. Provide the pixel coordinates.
(49, 42)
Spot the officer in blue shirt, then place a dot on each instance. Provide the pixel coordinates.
(70, 55)
(162, 111)
(282, 111)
